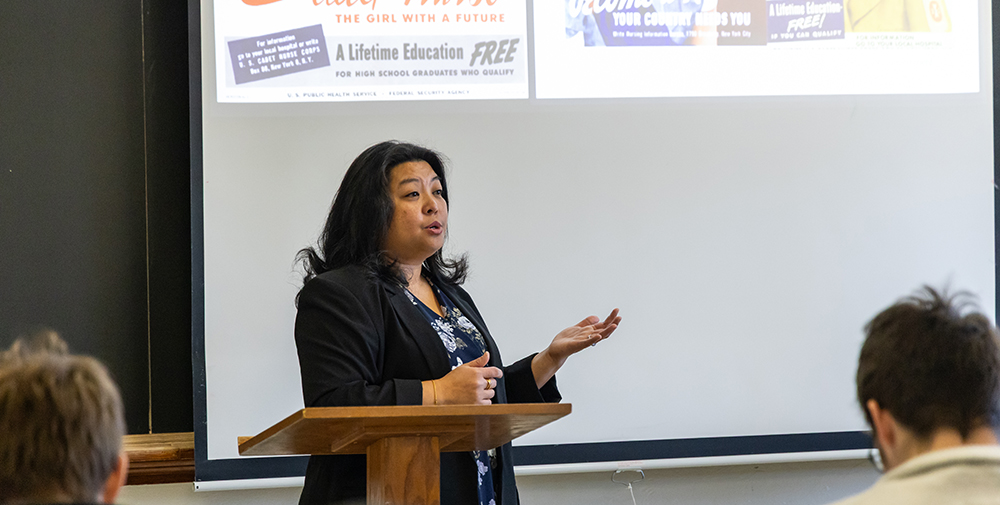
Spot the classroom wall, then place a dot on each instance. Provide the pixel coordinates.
(766, 484)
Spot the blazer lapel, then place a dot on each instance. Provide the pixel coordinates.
(468, 312)
(491, 346)
(416, 325)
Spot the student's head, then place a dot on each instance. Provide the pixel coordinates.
(39, 340)
(61, 429)
(930, 362)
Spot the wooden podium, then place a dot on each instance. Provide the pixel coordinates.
(403, 443)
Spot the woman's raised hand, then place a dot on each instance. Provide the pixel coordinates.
(471, 383)
(570, 341)
(586, 333)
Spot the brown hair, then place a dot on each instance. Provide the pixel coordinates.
(62, 424)
(40, 340)
(932, 364)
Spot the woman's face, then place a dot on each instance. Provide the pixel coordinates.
(420, 219)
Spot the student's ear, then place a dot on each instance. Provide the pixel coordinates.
(886, 434)
(117, 479)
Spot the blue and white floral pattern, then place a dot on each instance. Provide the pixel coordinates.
(444, 330)
(464, 343)
(482, 467)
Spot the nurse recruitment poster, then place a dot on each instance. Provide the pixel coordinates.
(672, 48)
(364, 50)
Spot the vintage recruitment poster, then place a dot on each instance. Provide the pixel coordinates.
(360, 50)
(665, 48)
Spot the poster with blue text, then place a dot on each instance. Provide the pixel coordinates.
(680, 48)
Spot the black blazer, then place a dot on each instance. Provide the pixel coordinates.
(360, 342)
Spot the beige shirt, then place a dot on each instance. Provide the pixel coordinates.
(962, 475)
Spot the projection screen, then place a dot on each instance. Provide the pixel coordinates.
(748, 180)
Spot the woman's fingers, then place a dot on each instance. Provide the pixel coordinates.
(480, 361)
(572, 340)
(608, 330)
(471, 384)
(609, 325)
(487, 392)
(606, 327)
(612, 317)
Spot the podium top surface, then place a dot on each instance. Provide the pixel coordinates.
(350, 430)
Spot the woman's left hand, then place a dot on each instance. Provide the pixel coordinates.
(570, 341)
(586, 333)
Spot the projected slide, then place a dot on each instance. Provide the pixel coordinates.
(358, 50)
(663, 48)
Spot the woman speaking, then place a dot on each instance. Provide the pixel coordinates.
(382, 320)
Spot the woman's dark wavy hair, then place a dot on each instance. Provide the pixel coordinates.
(361, 213)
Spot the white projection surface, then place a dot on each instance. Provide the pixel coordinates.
(747, 240)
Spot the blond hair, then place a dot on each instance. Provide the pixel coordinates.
(41, 340)
(61, 426)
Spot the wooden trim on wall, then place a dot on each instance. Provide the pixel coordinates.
(160, 458)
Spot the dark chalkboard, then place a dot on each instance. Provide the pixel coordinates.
(93, 192)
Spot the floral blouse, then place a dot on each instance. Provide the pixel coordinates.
(464, 343)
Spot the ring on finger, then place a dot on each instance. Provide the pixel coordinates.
(489, 384)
